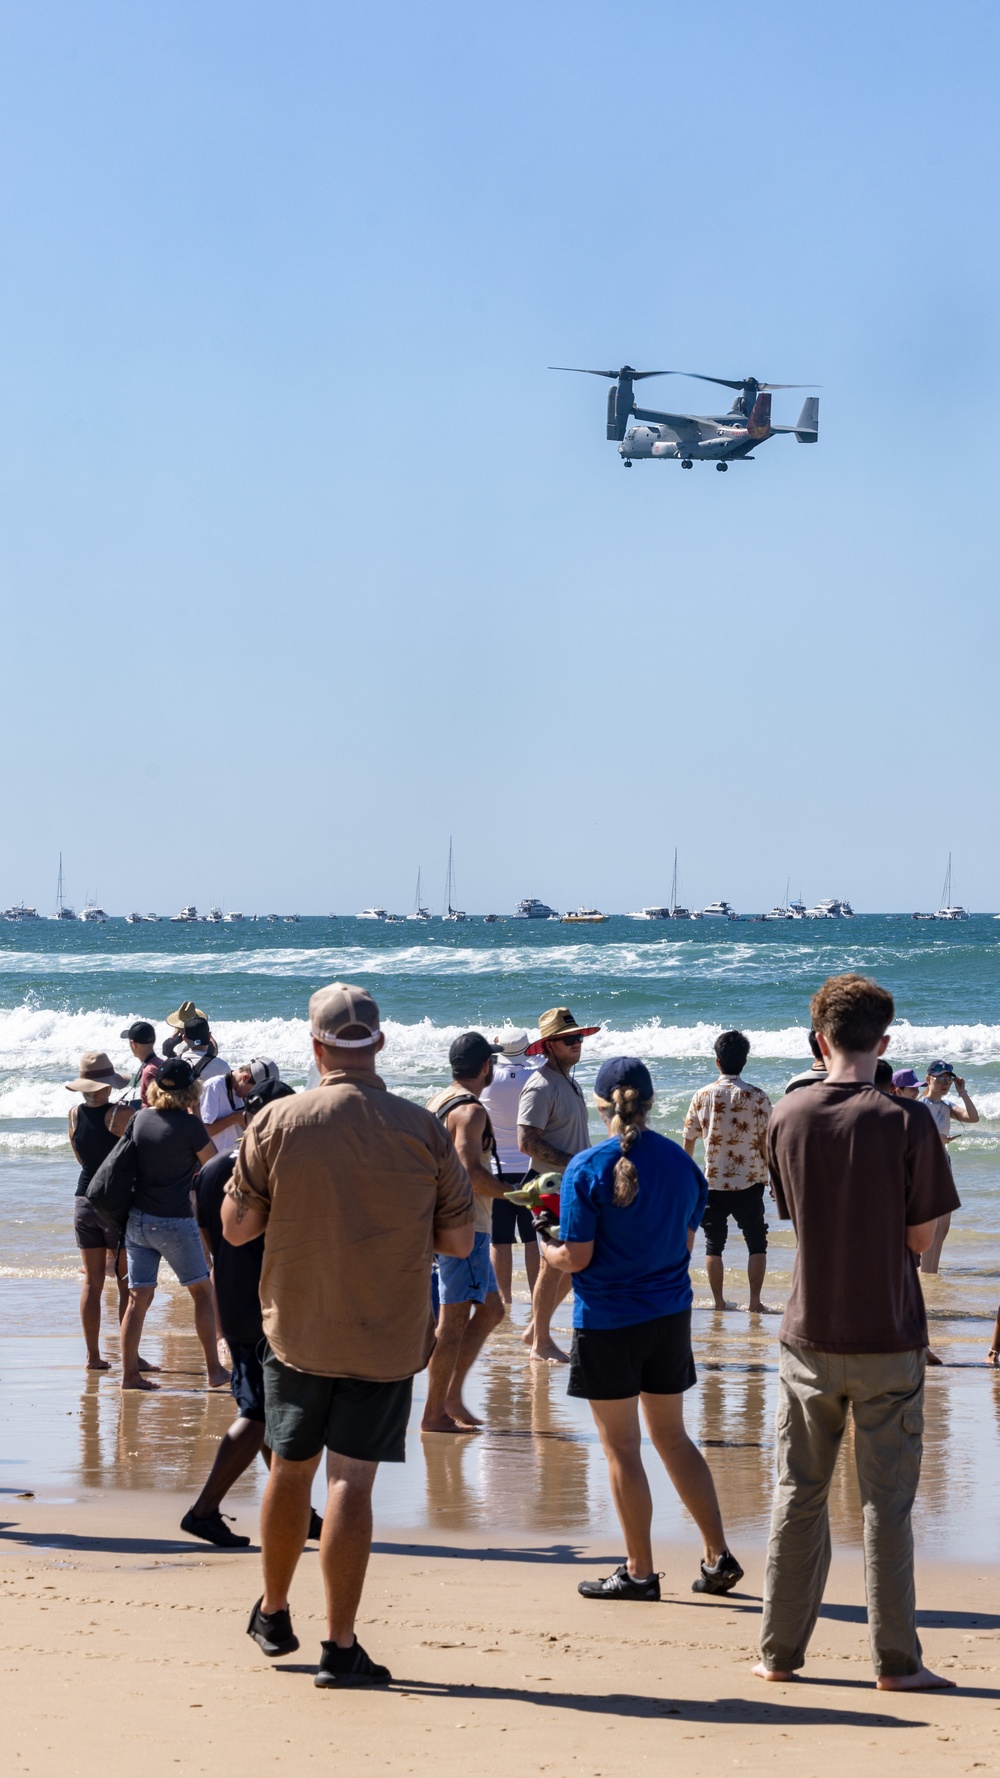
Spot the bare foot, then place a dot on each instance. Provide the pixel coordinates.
(445, 1423)
(97, 1363)
(138, 1381)
(457, 1410)
(763, 1309)
(993, 1357)
(144, 1365)
(762, 1672)
(550, 1353)
(528, 1335)
(924, 1681)
(218, 1379)
(720, 1307)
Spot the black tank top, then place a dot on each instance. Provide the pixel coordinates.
(92, 1141)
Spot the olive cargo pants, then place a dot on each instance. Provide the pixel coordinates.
(885, 1392)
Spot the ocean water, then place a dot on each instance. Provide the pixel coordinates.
(659, 992)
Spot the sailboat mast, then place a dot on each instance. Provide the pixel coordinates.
(448, 881)
(946, 892)
(416, 905)
(673, 884)
(59, 888)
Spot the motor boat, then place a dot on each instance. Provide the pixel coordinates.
(718, 910)
(533, 909)
(371, 914)
(233, 919)
(293, 919)
(833, 908)
(779, 913)
(93, 915)
(214, 916)
(151, 919)
(186, 917)
(133, 919)
(585, 917)
(21, 912)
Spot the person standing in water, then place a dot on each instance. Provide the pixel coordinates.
(501, 1097)
(93, 1133)
(629, 1212)
(941, 1077)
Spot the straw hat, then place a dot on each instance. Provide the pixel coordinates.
(184, 1014)
(96, 1071)
(558, 1022)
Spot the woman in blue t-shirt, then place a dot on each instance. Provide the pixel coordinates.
(629, 1212)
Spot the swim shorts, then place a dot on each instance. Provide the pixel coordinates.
(747, 1210)
(648, 1358)
(467, 1280)
(247, 1380)
(302, 1413)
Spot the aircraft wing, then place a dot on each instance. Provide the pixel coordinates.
(693, 426)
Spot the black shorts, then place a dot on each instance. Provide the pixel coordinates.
(513, 1222)
(648, 1358)
(247, 1380)
(357, 1419)
(747, 1209)
(89, 1229)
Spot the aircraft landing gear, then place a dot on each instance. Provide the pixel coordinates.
(722, 467)
(627, 462)
(686, 462)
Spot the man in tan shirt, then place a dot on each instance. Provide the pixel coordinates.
(354, 1189)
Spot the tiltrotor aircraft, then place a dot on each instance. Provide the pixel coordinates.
(720, 439)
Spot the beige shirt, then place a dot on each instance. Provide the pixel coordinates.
(351, 1180)
(482, 1207)
(552, 1104)
(732, 1116)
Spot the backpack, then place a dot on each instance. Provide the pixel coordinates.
(452, 1104)
(112, 1188)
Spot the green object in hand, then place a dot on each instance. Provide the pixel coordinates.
(531, 1195)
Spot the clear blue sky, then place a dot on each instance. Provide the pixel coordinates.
(307, 561)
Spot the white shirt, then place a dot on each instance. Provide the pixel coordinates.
(216, 1103)
(940, 1111)
(206, 1070)
(501, 1099)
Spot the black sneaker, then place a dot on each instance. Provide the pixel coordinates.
(349, 1666)
(621, 1585)
(272, 1631)
(213, 1529)
(719, 1579)
(315, 1530)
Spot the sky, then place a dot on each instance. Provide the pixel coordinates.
(307, 561)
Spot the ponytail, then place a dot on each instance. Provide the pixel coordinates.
(625, 1107)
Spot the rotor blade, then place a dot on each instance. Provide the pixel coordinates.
(741, 382)
(576, 368)
(790, 385)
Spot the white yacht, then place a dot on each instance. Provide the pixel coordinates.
(651, 914)
(186, 917)
(371, 914)
(93, 915)
(214, 916)
(20, 912)
(585, 917)
(133, 919)
(780, 913)
(949, 910)
(797, 909)
(718, 910)
(419, 911)
(151, 919)
(833, 908)
(533, 909)
(233, 919)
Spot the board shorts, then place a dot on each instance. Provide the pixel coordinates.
(148, 1239)
(747, 1210)
(467, 1280)
(512, 1222)
(354, 1418)
(89, 1229)
(247, 1379)
(648, 1358)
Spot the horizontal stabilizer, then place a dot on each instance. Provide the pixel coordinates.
(807, 424)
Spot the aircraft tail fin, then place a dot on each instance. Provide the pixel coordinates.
(759, 423)
(807, 424)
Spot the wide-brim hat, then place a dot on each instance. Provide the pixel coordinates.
(558, 1022)
(96, 1071)
(184, 1014)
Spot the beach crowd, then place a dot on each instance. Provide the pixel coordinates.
(337, 1241)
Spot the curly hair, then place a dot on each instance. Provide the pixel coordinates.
(185, 1099)
(852, 1012)
(624, 1108)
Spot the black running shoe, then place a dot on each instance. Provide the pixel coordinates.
(621, 1585)
(213, 1529)
(315, 1530)
(349, 1666)
(273, 1631)
(719, 1579)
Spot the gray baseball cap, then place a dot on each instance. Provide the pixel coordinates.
(343, 1007)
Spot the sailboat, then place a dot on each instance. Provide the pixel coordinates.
(783, 910)
(676, 911)
(62, 911)
(419, 911)
(949, 910)
(451, 913)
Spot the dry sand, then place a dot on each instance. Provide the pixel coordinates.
(122, 1641)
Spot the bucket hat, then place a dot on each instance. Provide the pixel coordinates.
(96, 1070)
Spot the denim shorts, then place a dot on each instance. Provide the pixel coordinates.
(467, 1280)
(148, 1239)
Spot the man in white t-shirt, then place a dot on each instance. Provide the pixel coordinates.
(222, 1103)
(511, 1222)
(201, 1051)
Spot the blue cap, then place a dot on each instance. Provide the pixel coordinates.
(623, 1071)
(938, 1068)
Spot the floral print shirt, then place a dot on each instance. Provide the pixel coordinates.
(732, 1118)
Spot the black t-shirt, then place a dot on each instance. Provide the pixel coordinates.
(237, 1269)
(166, 1147)
(92, 1140)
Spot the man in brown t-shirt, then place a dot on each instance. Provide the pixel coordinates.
(863, 1178)
(353, 1190)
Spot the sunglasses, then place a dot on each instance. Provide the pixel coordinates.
(571, 1041)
